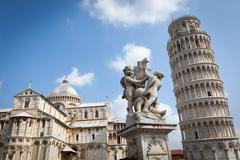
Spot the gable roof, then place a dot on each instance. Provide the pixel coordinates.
(28, 90)
(38, 94)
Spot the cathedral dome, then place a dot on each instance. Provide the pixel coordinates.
(64, 89)
(64, 92)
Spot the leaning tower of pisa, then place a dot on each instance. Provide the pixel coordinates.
(205, 121)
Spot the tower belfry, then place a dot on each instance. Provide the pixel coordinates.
(205, 121)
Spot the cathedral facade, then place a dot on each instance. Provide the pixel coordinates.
(59, 127)
(205, 121)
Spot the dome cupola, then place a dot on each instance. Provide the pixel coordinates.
(65, 94)
(64, 89)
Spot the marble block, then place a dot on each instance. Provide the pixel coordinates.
(147, 137)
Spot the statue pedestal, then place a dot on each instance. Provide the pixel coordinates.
(147, 137)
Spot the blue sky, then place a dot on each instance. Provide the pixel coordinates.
(44, 40)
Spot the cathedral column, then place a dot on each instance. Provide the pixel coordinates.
(214, 154)
(46, 127)
(201, 155)
(13, 127)
(25, 128)
(21, 153)
(7, 155)
(27, 155)
(236, 153)
(47, 151)
(226, 153)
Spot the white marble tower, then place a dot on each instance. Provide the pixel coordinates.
(205, 121)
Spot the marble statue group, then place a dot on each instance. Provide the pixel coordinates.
(141, 88)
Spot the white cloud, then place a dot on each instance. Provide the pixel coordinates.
(132, 12)
(118, 108)
(132, 54)
(76, 79)
(226, 94)
(1, 83)
(172, 118)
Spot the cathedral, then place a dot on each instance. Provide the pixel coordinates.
(59, 127)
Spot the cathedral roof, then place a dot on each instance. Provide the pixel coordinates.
(64, 89)
(93, 104)
(87, 124)
(5, 110)
(23, 114)
(114, 119)
(68, 149)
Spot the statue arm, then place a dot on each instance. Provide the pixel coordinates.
(159, 87)
(123, 83)
(128, 79)
(149, 85)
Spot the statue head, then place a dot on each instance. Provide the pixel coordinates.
(128, 71)
(143, 63)
(142, 68)
(158, 74)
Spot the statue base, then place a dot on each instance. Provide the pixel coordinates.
(147, 137)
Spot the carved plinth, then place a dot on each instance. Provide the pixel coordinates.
(146, 139)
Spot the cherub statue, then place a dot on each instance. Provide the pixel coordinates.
(153, 85)
(142, 99)
(129, 84)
